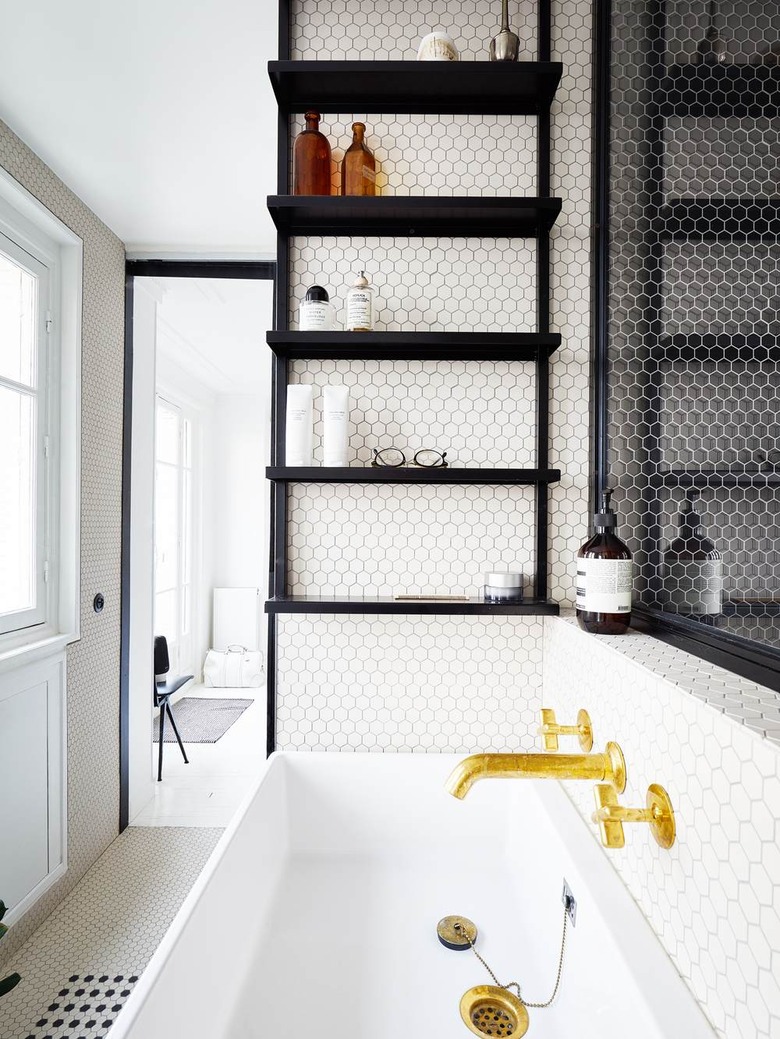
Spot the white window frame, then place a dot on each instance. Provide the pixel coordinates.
(186, 511)
(38, 234)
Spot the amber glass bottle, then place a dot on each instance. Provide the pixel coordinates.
(358, 170)
(604, 577)
(311, 159)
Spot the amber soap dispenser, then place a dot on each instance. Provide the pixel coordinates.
(604, 577)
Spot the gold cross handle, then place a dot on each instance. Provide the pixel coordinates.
(550, 730)
(659, 815)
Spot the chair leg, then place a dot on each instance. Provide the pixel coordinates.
(176, 731)
(163, 705)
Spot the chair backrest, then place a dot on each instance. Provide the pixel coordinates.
(162, 663)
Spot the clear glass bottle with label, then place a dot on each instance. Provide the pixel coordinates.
(358, 168)
(360, 305)
(692, 569)
(604, 577)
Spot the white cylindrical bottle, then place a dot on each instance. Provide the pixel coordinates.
(299, 425)
(335, 420)
(360, 306)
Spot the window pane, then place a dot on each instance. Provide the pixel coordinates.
(17, 501)
(167, 434)
(17, 322)
(165, 620)
(166, 527)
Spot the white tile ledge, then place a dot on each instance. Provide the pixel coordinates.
(755, 707)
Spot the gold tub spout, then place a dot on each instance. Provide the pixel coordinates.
(609, 767)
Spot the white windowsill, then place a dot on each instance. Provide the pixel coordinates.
(28, 653)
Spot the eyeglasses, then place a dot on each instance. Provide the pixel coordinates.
(394, 458)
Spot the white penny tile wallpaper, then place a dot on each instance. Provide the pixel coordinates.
(713, 899)
(93, 662)
(392, 539)
(406, 684)
(437, 155)
(424, 284)
(482, 413)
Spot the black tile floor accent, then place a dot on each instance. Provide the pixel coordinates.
(85, 1007)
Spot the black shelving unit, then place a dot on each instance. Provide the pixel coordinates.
(487, 88)
(712, 219)
(417, 607)
(414, 346)
(410, 474)
(714, 346)
(715, 478)
(414, 216)
(720, 91)
(408, 88)
(674, 91)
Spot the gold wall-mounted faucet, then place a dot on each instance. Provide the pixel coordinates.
(659, 815)
(609, 767)
(550, 730)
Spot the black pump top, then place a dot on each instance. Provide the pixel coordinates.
(688, 517)
(605, 518)
(318, 294)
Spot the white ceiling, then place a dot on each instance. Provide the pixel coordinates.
(157, 113)
(214, 330)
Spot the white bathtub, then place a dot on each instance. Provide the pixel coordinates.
(317, 913)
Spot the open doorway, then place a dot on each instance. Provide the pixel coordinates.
(196, 543)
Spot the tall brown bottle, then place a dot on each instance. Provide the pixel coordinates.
(604, 577)
(311, 159)
(358, 169)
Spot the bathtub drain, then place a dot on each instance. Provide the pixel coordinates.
(493, 1009)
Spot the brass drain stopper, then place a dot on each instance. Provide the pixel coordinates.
(455, 931)
(490, 1010)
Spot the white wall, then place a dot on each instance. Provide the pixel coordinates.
(241, 517)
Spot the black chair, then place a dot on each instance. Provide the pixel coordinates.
(164, 688)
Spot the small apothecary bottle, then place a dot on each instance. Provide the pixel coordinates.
(311, 159)
(692, 573)
(604, 577)
(316, 313)
(358, 168)
(360, 306)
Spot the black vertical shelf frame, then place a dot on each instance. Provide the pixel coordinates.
(409, 88)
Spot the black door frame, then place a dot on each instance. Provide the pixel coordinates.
(252, 270)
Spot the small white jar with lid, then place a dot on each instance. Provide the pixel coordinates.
(504, 586)
(316, 313)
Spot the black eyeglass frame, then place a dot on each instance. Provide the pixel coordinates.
(442, 462)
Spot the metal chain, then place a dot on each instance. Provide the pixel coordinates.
(514, 984)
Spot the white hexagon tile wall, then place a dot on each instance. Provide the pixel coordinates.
(712, 740)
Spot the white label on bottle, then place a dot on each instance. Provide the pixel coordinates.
(694, 586)
(316, 316)
(604, 585)
(369, 174)
(359, 309)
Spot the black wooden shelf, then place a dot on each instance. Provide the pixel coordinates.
(716, 478)
(415, 346)
(416, 87)
(409, 474)
(721, 91)
(349, 604)
(413, 215)
(714, 346)
(712, 219)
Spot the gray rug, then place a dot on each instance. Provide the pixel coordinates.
(201, 720)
